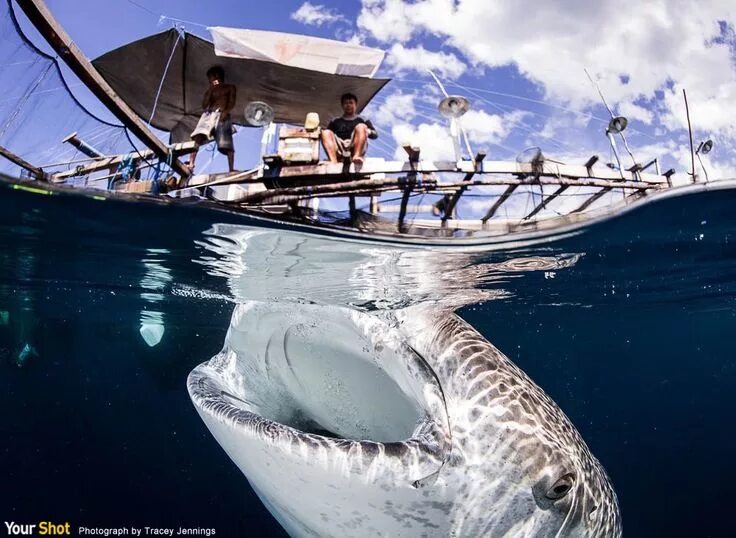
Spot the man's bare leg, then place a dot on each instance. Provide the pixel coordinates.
(328, 142)
(193, 155)
(231, 160)
(360, 135)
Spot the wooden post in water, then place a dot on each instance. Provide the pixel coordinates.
(51, 30)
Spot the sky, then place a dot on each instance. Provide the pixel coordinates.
(522, 64)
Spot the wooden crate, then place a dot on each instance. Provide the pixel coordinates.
(297, 145)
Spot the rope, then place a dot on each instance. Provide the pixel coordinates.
(179, 34)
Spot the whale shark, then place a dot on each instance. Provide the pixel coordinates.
(399, 423)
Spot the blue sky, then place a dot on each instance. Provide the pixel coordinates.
(520, 63)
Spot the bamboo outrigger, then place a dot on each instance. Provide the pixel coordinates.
(284, 186)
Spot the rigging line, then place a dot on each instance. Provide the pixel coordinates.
(162, 17)
(144, 8)
(531, 100)
(130, 140)
(53, 59)
(518, 123)
(383, 146)
(24, 101)
(166, 17)
(57, 88)
(435, 121)
(163, 78)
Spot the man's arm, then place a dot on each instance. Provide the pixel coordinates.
(372, 133)
(232, 95)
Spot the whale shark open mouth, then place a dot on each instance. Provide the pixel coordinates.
(324, 387)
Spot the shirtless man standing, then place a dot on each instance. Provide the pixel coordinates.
(218, 102)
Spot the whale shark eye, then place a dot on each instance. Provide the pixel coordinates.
(560, 488)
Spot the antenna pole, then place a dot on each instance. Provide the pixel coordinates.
(456, 129)
(626, 145)
(702, 166)
(615, 152)
(690, 131)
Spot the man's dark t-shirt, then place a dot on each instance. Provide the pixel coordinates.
(344, 128)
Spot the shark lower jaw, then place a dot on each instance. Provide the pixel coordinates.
(322, 386)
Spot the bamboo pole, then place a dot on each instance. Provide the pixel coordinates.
(12, 157)
(546, 201)
(39, 14)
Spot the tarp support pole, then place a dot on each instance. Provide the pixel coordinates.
(39, 14)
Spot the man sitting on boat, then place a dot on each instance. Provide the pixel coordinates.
(218, 101)
(348, 134)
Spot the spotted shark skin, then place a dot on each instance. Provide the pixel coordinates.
(486, 452)
(504, 425)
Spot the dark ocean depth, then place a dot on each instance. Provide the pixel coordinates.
(634, 341)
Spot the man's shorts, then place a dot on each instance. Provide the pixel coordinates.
(211, 127)
(345, 145)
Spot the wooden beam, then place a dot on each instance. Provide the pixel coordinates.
(51, 30)
(450, 208)
(587, 203)
(590, 162)
(546, 201)
(404, 204)
(547, 170)
(501, 199)
(412, 152)
(12, 157)
(346, 188)
(394, 208)
(114, 160)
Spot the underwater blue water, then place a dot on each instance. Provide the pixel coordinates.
(628, 326)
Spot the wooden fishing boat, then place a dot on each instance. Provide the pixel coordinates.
(468, 199)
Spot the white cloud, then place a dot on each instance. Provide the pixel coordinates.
(434, 138)
(636, 112)
(397, 106)
(316, 15)
(483, 127)
(443, 64)
(641, 54)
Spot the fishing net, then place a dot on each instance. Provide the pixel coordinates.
(43, 104)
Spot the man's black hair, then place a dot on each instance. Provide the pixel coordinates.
(216, 71)
(345, 96)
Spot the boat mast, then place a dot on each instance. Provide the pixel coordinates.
(51, 30)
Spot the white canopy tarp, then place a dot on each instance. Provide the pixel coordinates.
(306, 52)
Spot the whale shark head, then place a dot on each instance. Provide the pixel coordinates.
(349, 424)
(525, 465)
